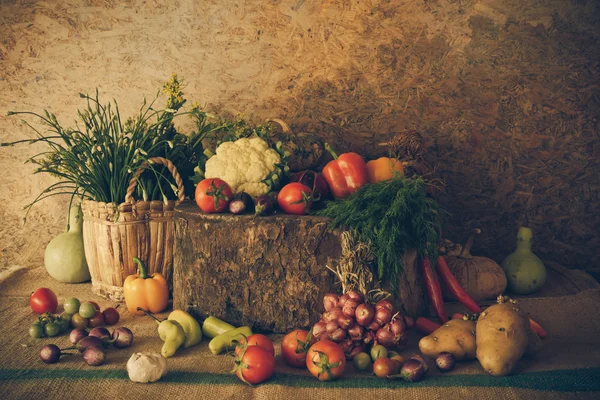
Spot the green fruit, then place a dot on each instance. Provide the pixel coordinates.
(378, 352)
(361, 361)
(36, 331)
(87, 310)
(52, 329)
(63, 325)
(71, 305)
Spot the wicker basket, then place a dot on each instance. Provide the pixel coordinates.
(114, 234)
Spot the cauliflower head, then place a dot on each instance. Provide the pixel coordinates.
(244, 165)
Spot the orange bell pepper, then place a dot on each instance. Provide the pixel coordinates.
(384, 168)
(149, 292)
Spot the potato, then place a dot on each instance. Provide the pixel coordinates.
(502, 336)
(456, 336)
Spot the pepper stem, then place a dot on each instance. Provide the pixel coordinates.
(141, 267)
(466, 250)
(158, 321)
(330, 150)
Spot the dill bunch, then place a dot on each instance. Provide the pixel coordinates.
(392, 216)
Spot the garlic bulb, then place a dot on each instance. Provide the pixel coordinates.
(146, 367)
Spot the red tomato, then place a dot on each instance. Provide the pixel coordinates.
(213, 195)
(294, 346)
(255, 366)
(295, 198)
(43, 300)
(326, 360)
(255, 340)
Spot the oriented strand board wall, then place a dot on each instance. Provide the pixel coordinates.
(504, 91)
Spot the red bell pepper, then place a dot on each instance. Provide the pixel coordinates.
(345, 174)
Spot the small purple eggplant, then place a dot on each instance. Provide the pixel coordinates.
(445, 361)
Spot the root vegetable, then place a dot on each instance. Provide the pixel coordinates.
(374, 326)
(319, 330)
(357, 348)
(385, 336)
(502, 333)
(338, 335)
(331, 326)
(332, 315)
(350, 306)
(383, 316)
(368, 337)
(353, 294)
(343, 298)
(346, 322)
(385, 303)
(456, 336)
(356, 332)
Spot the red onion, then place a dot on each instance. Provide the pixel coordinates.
(374, 326)
(356, 332)
(343, 299)
(333, 314)
(357, 348)
(383, 316)
(330, 301)
(385, 336)
(368, 337)
(397, 326)
(350, 306)
(353, 294)
(384, 304)
(331, 326)
(319, 330)
(337, 335)
(345, 322)
(365, 314)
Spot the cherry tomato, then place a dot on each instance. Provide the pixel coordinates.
(43, 300)
(255, 366)
(255, 340)
(96, 320)
(294, 346)
(325, 360)
(213, 195)
(111, 316)
(383, 367)
(96, 306)
(295, 198)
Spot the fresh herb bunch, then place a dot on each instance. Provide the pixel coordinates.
(393, 216)
(98, 157)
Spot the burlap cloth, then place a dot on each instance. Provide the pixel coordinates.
(568, 367)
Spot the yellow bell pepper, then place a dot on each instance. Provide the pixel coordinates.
(384, 168)
(193, 331)
(144, 291)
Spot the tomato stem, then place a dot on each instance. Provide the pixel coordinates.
(216, 193)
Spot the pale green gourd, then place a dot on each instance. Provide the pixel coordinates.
(64, 257)
(525, 272)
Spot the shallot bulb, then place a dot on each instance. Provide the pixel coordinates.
(364, 314)
(374, 326)
(350, 306)
(356, 348)
(332, 315)
(384, 304)
(330, 301)
(345, 322)
(353, 294)
(383, 316)
(385, 336)
(319, 330)
(343, 299)
(337, 335)
(331, 326)
(368, 337)
(356, 332)
(346, 345)
(398, 327)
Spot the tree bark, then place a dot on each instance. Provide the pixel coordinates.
(269, 272)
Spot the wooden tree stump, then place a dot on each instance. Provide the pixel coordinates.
(266, 272)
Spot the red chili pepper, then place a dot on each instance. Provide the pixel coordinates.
(452, 284)
(345, 174)
(457, 316)
(426, 326)
(433, 289)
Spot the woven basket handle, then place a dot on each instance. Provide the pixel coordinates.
(284, 126)
(158, 161)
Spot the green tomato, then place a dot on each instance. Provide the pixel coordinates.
(52, 329)
(63, 325)
(87, 310)
(361, 361)
(36, 331)
(378, 352)
(71, 305)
